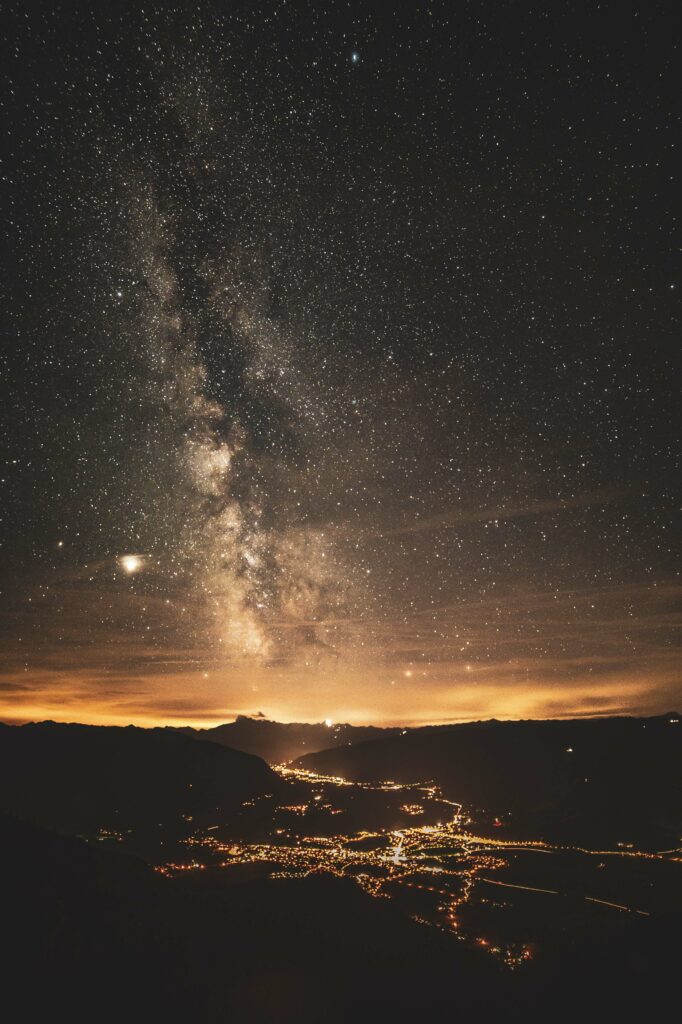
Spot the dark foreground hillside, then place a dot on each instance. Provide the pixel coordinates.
(280, 742)
(92, 935)
(98, 936)
(594, 781)
(80, 777)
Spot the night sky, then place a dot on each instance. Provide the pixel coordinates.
(339, 361)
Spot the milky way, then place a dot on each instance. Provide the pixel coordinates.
(340, 363)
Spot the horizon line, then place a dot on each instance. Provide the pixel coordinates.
(568, 717)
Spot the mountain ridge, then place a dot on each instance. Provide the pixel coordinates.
(281, 742)
(562, 779)
(79, 777)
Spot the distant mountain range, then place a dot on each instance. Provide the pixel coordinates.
(278, 742)
(76, 777)
(594, 780)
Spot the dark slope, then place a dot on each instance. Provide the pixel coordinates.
(279, 742)
(85, 931)
(599, 780)
(96, 936)
(78, 777)
(100, 937)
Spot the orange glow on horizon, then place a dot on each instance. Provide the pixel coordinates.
(204, 700)
(405, 673)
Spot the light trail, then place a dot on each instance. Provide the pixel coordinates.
(617, 906)
(526, 888)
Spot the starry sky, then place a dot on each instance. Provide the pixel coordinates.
(340, 359)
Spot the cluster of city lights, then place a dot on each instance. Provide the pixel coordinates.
(444, 865)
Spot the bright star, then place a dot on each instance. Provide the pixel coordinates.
(355, 57)
(130, 563)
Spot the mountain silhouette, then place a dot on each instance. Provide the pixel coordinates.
(79, 777)
(597, 780)
(279, 742)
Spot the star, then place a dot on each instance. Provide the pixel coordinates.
(130, 563)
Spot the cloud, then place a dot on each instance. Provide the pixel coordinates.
(455, 517)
